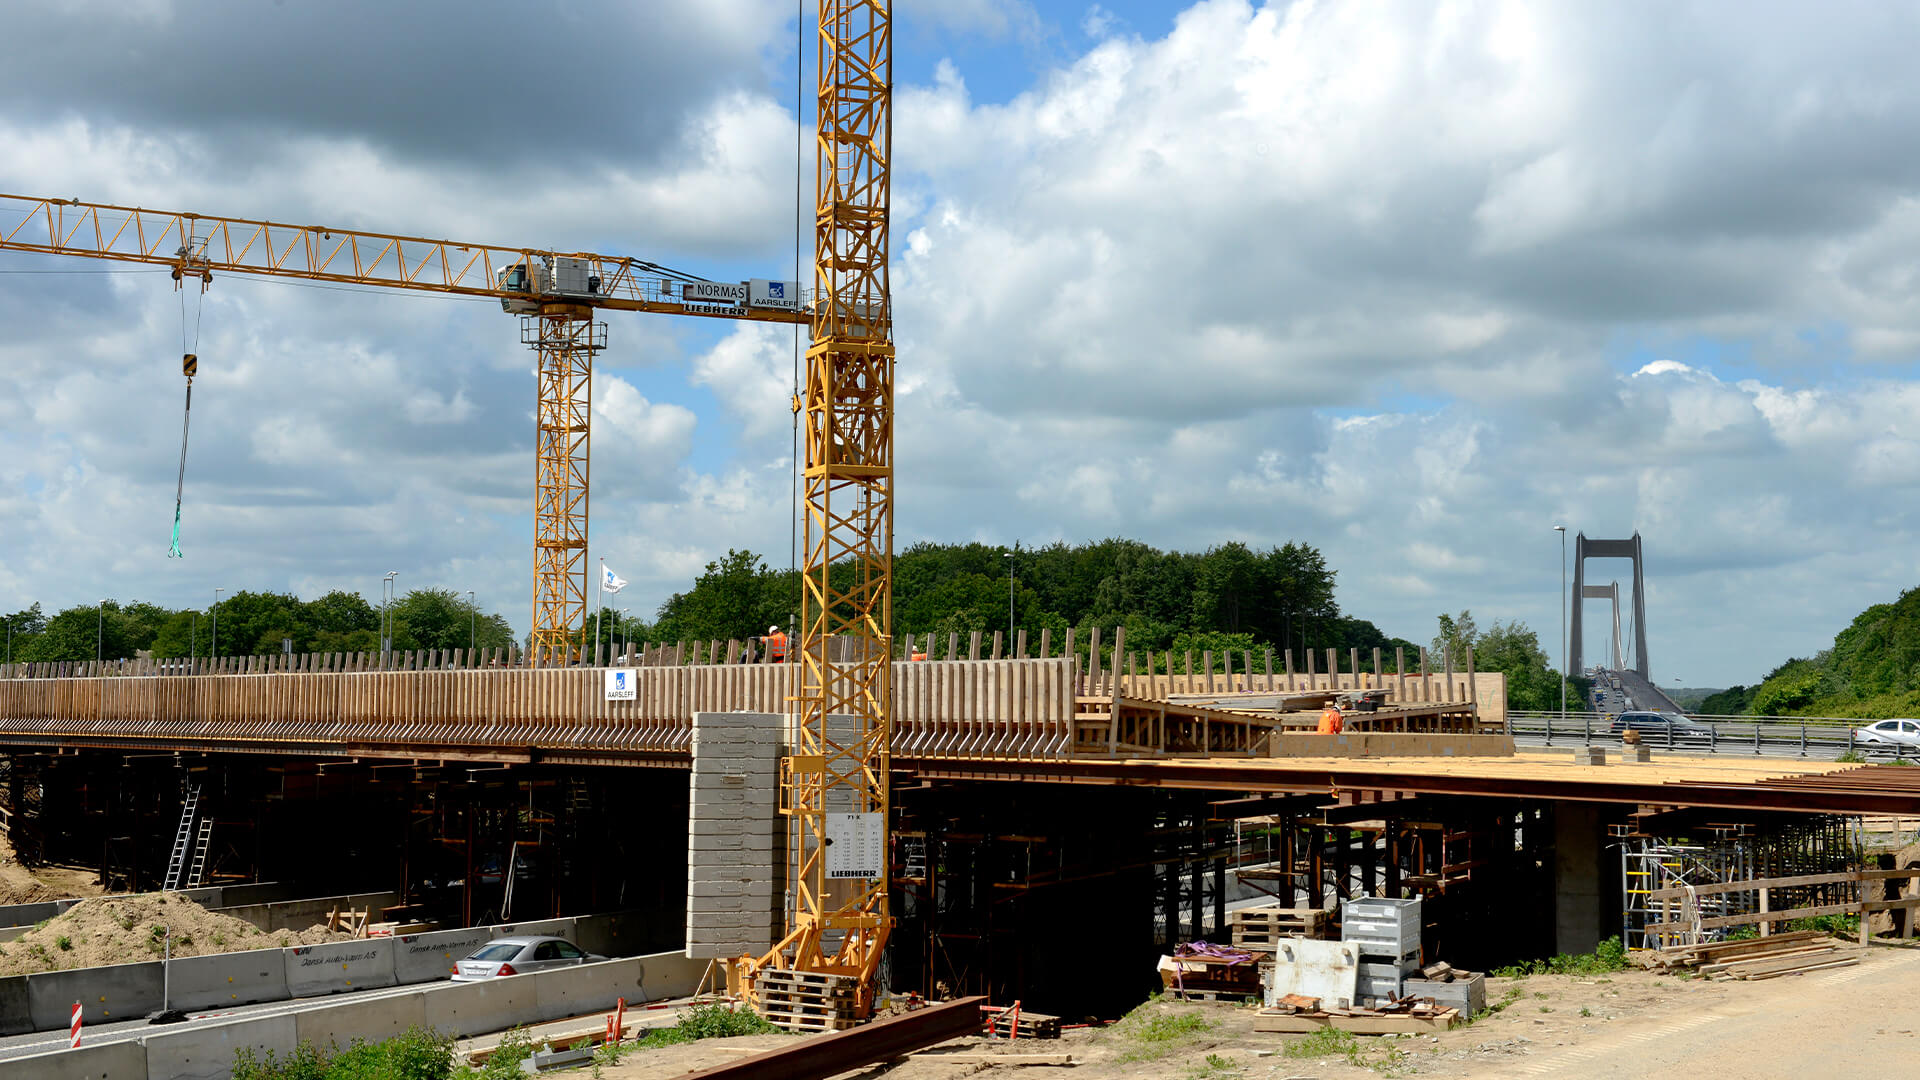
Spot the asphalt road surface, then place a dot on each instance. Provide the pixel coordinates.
(14, 1046)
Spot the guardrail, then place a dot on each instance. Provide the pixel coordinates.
(1810, 737)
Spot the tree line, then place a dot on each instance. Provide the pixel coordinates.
(1872, 671)
(1229, 597)
(252, 623)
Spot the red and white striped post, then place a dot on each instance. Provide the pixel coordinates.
(75, 1028)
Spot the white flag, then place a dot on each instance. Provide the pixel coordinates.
(611, 581)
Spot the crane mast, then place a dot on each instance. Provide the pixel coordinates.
(835, 783)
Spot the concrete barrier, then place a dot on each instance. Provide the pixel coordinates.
(240, 978)
(339, 1025)
(261, 892)
(538, 927)
(105, 994)
(107, 1061)
(478, 1008)
(28, 914)
(205, 1051)
(425, 957)
(15, 1017)
(342, 965)
(668, 975)
(300, 914)
(618, 934)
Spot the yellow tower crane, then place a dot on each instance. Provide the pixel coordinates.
(834, 787)
(556, 295)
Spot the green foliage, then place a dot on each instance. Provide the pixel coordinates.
(1610, 956)
(1158, 1032)
(735, 598)
(1851, 757)
(254, 623)
(1733, 701)
(1871, 672)
(418, 1054)
(1326, 1042)
(1512, 995)
(1532, 682)
(513, 1048)
(1230, 597)
(63, 943)
(708, 1020)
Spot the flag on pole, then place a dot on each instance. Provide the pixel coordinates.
(611, 581)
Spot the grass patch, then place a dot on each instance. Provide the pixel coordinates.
(1611, 956)
(419, 1054)
(1512, 995)
(709, 1020)
(1158, 1033)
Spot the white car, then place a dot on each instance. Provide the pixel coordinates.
(1890, 734)
(519, 955)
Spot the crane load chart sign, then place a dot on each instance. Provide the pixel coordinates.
(856, 846)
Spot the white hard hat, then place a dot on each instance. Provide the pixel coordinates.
(773, 629)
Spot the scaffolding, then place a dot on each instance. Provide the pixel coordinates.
(1723, 854)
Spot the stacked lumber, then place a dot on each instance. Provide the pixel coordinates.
(806, 1000)
(1754, 958)
(1261, 928)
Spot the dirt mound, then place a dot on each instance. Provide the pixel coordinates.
(17, 883)
(129, 929)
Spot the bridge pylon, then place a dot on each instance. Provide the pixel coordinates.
(1584, 549)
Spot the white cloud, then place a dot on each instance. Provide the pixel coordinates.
(1411, 283)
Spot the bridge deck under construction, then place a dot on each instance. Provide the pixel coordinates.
(1039, 720)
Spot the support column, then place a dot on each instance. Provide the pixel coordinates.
(1577, 877)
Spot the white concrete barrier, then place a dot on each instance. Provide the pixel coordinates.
(363, 964)
(106, 994)
(373, 1020)
(668, 975)
(536, 928)
(242, 978)
(205, 1051)
(426, 957)
(478, 1008)
(106, 1061)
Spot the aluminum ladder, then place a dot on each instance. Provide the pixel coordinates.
(203, 840)
(177, 862)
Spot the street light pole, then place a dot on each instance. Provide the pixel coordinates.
(473, 624)
(623, 634)
(213, 650)
(1016, 547)
(99, 627)
(1562, 530)
(387, 588)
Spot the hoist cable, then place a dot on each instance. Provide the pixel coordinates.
(180, 485)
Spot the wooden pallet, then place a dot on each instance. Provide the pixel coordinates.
(806, 1000)
(1262, 928)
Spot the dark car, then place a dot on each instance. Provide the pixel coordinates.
(1663, 729)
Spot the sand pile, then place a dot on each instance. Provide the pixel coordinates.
(129, 929)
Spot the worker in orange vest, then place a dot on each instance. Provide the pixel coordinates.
(1330, 720)
(776, 645)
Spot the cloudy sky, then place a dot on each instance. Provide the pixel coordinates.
(1410, 282)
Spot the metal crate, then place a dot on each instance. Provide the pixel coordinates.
(1382, 927)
